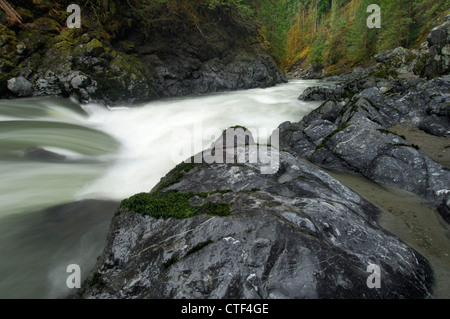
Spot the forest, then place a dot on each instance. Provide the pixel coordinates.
(324, 33)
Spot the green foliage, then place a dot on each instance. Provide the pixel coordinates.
(317, 52)
(361, 40)
(397, 20)
(274, 18)
(171, 205)
(240, 7)
(342, 24)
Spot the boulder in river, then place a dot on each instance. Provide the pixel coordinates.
(297, 233)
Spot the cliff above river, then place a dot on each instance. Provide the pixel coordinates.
(122, 54)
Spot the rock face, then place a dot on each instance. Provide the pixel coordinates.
(353, 134)
(297, 233)
(438, 62)
(200, 66)
(176, 60)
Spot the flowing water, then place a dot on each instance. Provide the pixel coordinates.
(65, 168)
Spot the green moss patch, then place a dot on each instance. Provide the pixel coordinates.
(176, 174)
(170, 262)
(171, 205)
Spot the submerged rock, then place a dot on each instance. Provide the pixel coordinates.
(43, 155)
(297, 233)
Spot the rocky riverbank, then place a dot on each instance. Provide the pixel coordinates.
(366, 123)
(356, 133)
(297, 233)
(43, 57)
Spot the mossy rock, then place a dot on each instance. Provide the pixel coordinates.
(46, 25)
(171, 205)
(59, 15)
(95, 47)
(128, 47)
(34, 39)
(384, 72)
(71, 35)
(125, 79)
(7, 36)
(176, 174)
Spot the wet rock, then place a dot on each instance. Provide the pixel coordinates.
(353, 134)
(297, 233)
(434, 125)
(400, 60)
(175, 61)
(444, 209)
(321, 94)
(20, 87)
(438, 62)
(238, 69)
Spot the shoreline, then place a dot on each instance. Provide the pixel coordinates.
(436, 147)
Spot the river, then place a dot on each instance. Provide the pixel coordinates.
(65, 168)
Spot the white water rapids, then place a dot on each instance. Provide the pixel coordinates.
(55, 212)
(111, 154)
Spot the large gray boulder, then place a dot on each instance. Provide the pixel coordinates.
(400, 60)
(438, 62)
(297, 233)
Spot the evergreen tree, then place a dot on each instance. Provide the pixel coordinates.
(396, 24)
(338, 41)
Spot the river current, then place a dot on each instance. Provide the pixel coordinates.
(66, 167)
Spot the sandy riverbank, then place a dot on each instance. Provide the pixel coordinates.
(437, 148)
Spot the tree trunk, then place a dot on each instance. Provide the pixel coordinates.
(10, 11)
